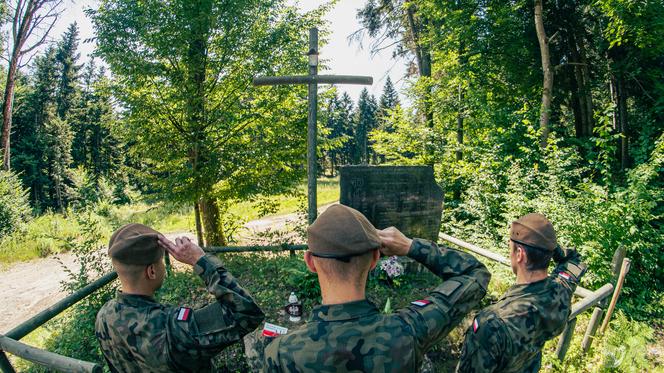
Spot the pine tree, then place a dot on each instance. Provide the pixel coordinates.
(347, 122)
(32, 109)
(388, 100)
(94, 146)
(66, 58)
(366, 122)
(335, 134)
(58, 139)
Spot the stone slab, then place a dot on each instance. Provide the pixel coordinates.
(406, 197)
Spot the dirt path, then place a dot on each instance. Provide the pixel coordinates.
(30, 287)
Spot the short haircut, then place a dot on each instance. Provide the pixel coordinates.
(131, 272)
(354, 271)
(538, 259)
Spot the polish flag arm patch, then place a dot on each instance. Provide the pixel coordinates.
(421, 302)
(476, 325)
(183, 314)
(565, 275)
(272, 330)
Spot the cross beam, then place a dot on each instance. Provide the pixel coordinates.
(312, 80)
(315, 79)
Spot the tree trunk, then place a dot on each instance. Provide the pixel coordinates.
(212, 222)
(423, 58)
(621, 122)
(199, 227)
(587, 92)
(578, 91)
(7, 105)
(547, 85)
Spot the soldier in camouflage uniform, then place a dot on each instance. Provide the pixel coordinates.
(138, 334)
(347, 333)
(508, 336)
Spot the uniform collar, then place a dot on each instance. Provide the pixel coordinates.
(135, 300)
(530, 288)
(343, 311)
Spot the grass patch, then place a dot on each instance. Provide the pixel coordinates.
(51, 232)
(43, 236)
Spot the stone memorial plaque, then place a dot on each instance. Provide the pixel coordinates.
(406, 197)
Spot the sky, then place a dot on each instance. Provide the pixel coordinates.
(342, 56)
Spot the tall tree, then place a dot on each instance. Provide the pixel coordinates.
(183, 71)
(95, 146)
(67, 57)
(389, 99)
(335, 131)
(32, 20)
(366, 122)
(405, 24)
(347, 120)
(547, 70)
(33, 109)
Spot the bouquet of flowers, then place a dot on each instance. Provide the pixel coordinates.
(391, 269)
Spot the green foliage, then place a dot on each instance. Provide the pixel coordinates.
(625, 344)
(400, 140)
(43, 236)
(14, 204)
(594, 218)
(303, 281)
(62, 120)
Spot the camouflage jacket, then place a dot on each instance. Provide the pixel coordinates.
(508, 336)
(357, 337)
(137, 334)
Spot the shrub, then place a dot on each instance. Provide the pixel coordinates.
(595, 218)
(14, 203)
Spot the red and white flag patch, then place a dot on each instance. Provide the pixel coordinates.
(421, 302)
(565, 275)
(476, 325)
(183, 314)
(272, 330)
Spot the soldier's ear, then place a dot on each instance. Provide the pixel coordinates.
(521, 254)
(309, 261)
(151, 272)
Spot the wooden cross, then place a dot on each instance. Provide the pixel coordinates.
(313, 79)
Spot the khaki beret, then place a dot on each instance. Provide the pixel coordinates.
(135, 244)
(341, 232)
(534, 230)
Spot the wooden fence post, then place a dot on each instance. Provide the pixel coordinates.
(616, 293)
(591, 329)
(5, 365)
(565, 339)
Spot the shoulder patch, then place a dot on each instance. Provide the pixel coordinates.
(183, 314)
(476, 325)
(565, 275)
(272, 330)
(421, 302)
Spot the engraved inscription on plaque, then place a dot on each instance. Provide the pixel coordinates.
(406, 197)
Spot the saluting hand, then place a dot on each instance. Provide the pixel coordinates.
(394, 242)
(183, 250)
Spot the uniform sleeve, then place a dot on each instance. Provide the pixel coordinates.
(465, 281)
(271, 357)
(569, 270)
(204, 332)
(483, 347)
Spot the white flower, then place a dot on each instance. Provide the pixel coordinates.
(392, 267)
